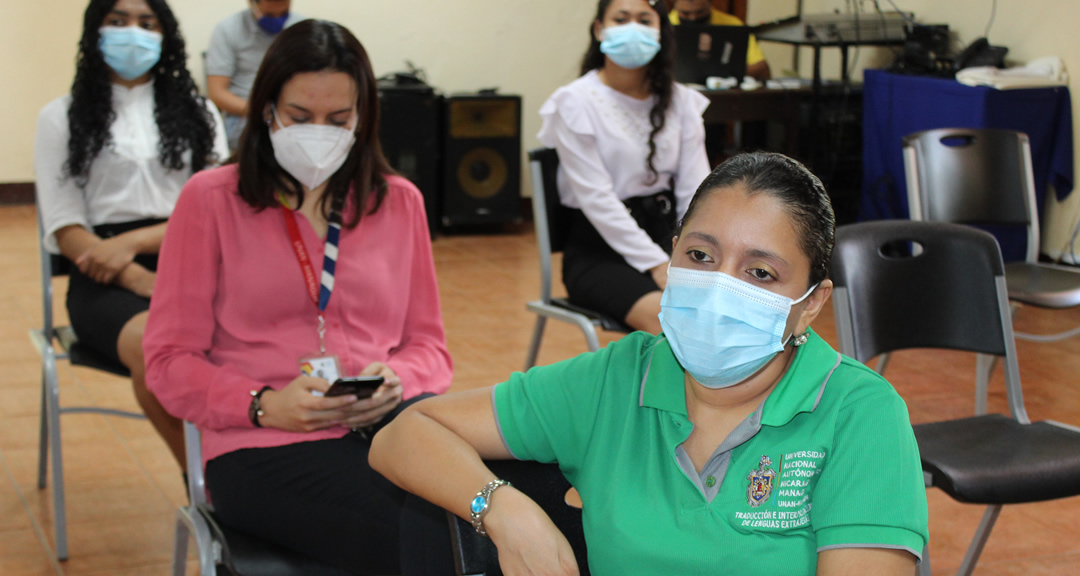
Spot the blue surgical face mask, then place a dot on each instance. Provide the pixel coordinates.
(273, 24)
(721, 329)
(129, 50)
(630, 45)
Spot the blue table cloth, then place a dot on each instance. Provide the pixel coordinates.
(895, 105)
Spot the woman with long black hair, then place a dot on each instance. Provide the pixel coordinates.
(631, 145)
(110, 159)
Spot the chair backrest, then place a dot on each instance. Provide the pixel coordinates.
(972, 176)
(902, 284)
(475, 555)
(549, 215)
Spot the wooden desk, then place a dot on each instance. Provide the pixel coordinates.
(754, 105)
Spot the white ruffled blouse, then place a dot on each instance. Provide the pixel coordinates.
(602, 137)
(126, 182)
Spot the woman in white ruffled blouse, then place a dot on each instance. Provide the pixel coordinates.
(631, 145)
(109, 161)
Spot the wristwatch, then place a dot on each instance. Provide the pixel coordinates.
(255, 408)
(482, 502)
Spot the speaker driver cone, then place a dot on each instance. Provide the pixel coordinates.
(482, 172)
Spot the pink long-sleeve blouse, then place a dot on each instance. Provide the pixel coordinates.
(231, 311)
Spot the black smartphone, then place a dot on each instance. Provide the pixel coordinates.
(361, 386)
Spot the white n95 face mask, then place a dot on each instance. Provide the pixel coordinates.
(311, 152)
(721, 329)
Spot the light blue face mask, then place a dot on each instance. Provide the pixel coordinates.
(630, 45)
(129, 50)
(721, 329)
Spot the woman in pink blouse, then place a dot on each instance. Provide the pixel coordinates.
(305, 261)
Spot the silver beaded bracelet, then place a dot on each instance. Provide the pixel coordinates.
(482, 502)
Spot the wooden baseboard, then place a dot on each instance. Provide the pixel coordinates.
(17, 193)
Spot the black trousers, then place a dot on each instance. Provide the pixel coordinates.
(322, 499)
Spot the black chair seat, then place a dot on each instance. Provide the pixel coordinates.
(1043, 285)
(994, 459)
(243, 555)
(606, 322)
(545, 484)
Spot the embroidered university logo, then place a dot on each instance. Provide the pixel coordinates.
(761, 483)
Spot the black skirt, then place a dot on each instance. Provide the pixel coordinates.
(599, 278)
(98, 312)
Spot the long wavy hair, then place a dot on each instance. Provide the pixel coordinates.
(314, 46)
(181, 115)
(659, 73)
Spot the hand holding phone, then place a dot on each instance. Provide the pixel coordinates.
(359, 386)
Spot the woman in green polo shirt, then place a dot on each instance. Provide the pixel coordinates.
(737, 441)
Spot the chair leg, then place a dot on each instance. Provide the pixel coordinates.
(43, 435)
(984, 367)
(534, 345)
(180, 545)
(190, 524)
(52, 405)
(882, 362)
(979, 541)
(923, 569)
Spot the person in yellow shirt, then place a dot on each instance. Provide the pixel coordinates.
(702, 12)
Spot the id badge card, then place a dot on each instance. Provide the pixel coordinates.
(325, 366)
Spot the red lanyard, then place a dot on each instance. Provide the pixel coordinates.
(318, 291)
(301, 255)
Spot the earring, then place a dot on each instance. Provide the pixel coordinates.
(800, 339)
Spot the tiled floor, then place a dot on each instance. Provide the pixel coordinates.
(123, 487)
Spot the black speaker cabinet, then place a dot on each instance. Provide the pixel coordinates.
(481, 159)
(409, 131)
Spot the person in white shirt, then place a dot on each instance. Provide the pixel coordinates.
(110, 159)
(631, 146)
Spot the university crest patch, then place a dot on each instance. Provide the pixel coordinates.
(761, 483)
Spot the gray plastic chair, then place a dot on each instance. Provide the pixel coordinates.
(905, 284)
(56, 343)
(984, 177)
(218, 545)
(550, 223)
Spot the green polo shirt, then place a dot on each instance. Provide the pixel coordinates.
(828, 461)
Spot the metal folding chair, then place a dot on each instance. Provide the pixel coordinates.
(906, 284)
(550, 222)
(984, 177)
(218, 545)
(55, 343)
